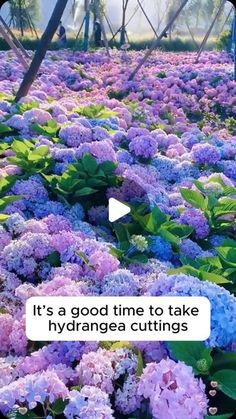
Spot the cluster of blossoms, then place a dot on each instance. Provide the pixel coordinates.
(55, 245)
(171, 387)
(223, 307)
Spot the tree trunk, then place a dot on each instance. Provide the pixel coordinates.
(42, 49)
(21, 19)
(122, 32)
(87, 23)
(100, 19)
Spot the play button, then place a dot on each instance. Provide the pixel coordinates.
(117, 210)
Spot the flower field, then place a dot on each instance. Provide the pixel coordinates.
(87, 133)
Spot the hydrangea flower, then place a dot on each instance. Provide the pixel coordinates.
(32, 389)
(161, 248)
(223, 304)
(89, 403)
(127, 399)
(205, 154)
(119, 283)
(143, 146)
(172, 388)
(196, 219)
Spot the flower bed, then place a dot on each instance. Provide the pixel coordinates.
(84, 134)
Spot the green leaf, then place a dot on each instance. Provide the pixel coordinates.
(39, 152)
(51, 129)
(3, 310)
(3, 148)
(181, 230)
(212, 277)
(194, 354)
(140, 366)
(226, 381)
(159, 216)
(54, 259)
(229, 190)
(85, 191)
(121, 345)
(3, 218)
(186, 269)
(195, 198)
(139, 258)
(228, 255)
(96, 183)
(77, 388)
(225, 206)
(108, 167)
(20, 147)
(224, 360)
(90, 163)
(4, 129)
(122, 236)
(58, 406)
(83, 257)
(199, 185)
(8, 200)
(28, 415)
(166, 234)
(224, 416)
(106, 344)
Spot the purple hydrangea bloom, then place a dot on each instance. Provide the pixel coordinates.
(143, 146)
(120, 283)
(171, 387)
(196, 219)
(205, 154)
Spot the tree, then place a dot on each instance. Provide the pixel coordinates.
(44, 43)
(24, 14)
(123, 30)
(102, 5)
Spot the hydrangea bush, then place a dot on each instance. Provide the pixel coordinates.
(164, 142)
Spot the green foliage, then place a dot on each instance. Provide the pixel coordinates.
(224, 416)
(28, 415)
(5, 130)
(83, 179)
(217, 207)
(30, 159)
(51, 129)
(220, 269)
(5, 185)
(224, 40)
(226, 380)
(23, 107)
(230, 124)
(95, 112)
(3, 148)
(23, 13)
(58, 407)
(194, 354)
(147, 224)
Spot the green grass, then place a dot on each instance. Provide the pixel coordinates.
(175, 44)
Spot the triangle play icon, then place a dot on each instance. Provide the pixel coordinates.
(117, 210)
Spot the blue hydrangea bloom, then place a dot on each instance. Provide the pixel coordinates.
(223, 304)
(161, 248)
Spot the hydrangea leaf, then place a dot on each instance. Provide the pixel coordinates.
(226, 380)
(195, 198)
(194, 354)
